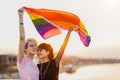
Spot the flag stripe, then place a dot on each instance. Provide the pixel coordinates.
(39, 22)
(44, 27)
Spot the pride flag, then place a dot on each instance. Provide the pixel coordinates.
(64, 20)
(44, 27)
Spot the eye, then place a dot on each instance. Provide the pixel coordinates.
(32, 45)
(42, 50)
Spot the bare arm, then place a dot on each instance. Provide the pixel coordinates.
(22, 35)
(63, 46)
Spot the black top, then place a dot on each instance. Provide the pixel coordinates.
(52, 71)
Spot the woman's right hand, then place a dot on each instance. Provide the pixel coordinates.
(73, 28)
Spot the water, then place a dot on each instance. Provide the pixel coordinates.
(94, 72)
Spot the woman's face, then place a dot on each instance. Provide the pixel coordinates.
(42, 53)
(32, 48)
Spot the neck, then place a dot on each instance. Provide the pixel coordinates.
(30, 56)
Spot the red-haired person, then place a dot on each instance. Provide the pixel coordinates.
(48, 64)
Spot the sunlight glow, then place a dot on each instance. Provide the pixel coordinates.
(111, 2)
(94, 72)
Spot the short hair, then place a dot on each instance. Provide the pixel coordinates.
(47, 47)
(30, 40)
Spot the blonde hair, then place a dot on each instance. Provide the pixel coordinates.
(30, 40)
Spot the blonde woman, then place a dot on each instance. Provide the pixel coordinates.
(27, 69)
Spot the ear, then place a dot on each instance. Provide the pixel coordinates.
(25, 50)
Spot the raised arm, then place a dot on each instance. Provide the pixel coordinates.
(63, 46)
(22, 35)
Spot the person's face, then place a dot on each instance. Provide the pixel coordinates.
(42, 53)
(32, 48)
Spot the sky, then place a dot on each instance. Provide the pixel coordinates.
(101, 18)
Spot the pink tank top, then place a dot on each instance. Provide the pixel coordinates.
(27, 69)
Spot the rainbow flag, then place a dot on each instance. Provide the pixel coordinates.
(63, 20)
(44, 27)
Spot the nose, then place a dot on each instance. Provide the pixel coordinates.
(34, 47)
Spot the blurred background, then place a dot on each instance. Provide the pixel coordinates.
(99, 61)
